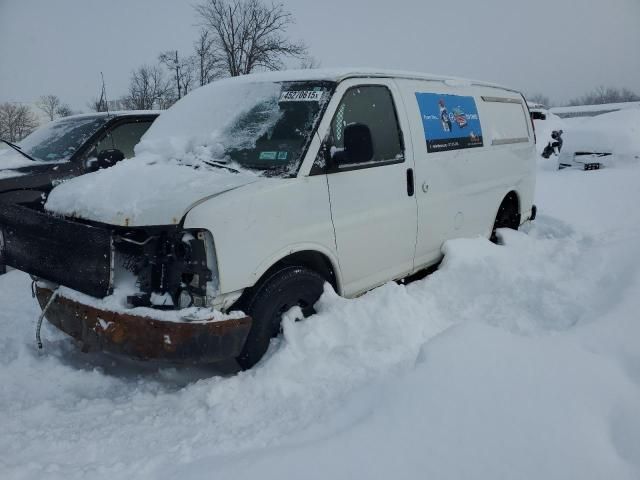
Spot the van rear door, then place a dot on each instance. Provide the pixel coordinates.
(373, 204)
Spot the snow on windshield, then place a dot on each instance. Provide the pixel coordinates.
(260, 126)
(60, 139)
(218, 137)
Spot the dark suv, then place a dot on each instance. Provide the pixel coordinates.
(67, 148)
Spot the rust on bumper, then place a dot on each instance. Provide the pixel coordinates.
(143, 337)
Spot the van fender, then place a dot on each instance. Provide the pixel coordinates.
(504, 192)
(283, 253)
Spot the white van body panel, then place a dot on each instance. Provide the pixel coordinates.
(256, 225)
(459, 191)
(363, 221)
(373, 216)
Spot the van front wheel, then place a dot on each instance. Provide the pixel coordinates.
(285, 289)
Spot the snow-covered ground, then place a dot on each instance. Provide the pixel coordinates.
(519, 361)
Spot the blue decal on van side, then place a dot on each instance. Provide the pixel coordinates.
(450, 122)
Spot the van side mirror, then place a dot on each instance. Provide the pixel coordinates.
(358, 145)
(105, 159)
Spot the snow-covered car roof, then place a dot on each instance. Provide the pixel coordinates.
(116, 113)
(615, 132)
(339, 74)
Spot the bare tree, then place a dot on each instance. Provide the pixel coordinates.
(16, 121)
(148, 88)
(208, 64)
(248, 34)
(49, 104)
(182, 70)
(604, 94)
(64, 110)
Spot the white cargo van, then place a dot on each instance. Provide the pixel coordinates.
(251, 193)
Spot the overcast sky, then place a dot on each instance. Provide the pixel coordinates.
(560, 48)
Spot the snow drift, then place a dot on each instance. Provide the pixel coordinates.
(513, 361)
(616, 132)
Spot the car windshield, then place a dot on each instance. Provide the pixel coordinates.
(58, 140)
(264, 127)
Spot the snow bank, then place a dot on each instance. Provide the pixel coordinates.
(514, 361)
(616, 132)
(451, 417)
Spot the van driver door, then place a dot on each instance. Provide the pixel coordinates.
(373, 205)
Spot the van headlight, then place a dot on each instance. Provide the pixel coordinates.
(171, 268)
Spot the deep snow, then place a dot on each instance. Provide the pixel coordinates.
(514, 361)
(615, 132)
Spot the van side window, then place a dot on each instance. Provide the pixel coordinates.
(371, 106)
(123, 137)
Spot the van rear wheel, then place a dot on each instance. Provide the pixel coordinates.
(508, 216)
(285, 289)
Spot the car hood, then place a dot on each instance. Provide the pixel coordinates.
(10, 161)
(18, 172)
(136, 193)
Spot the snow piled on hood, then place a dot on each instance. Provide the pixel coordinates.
(169, 172)
(141, 191)
(9, 174)
(513, 361)
(10, 159)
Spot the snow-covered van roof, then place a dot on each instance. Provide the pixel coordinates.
(339, 74)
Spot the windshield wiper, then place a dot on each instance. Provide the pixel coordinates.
(221, 165)
(18, 149)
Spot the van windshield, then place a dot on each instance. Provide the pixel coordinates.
(59, 140)
(264, 127)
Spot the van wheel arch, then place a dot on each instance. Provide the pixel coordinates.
(508, 214)
(310, 259)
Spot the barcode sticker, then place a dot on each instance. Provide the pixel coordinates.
(301, 96)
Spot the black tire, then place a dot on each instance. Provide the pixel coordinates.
(281, 291)
(507, 217)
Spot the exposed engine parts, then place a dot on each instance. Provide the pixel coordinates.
(171, 267)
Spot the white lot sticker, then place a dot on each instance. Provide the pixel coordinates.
(301, 96)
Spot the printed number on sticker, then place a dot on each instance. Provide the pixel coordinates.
(301, 96)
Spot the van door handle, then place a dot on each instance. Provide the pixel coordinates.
(410, 185)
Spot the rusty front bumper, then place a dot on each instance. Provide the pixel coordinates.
(146, 338)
